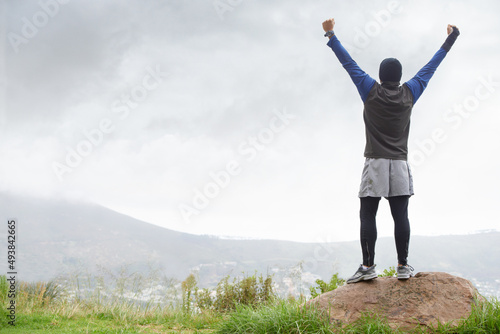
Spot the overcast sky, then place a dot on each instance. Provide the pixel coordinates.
(233, 117)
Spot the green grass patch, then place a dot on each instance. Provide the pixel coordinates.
(166, 322)
(484, 318)
(289, 317)
(280, 317)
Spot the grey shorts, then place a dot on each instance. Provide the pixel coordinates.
(386, 178)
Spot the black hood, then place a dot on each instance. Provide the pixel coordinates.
(390, 70)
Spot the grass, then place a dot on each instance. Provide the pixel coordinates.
(49, 308)
(96, 323)
(280, 317)
(288, 317)
(484, 318)
(107, 303)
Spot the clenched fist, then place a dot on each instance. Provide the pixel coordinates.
(328, 25)
(449, 29)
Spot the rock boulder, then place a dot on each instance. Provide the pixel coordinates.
(426, 299)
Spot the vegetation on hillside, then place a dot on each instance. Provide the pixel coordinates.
(244, 304)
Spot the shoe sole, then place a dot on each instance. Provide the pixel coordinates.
(364, 278)
(405, 276)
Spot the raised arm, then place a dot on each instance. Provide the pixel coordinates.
(362, 80)
(419, 82)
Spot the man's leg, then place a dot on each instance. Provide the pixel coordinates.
(367, 213)
(368, 231)
(399, 210)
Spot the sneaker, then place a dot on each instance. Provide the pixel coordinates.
(363, 274)
(405, 272)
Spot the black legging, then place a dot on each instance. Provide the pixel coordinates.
(368, 212)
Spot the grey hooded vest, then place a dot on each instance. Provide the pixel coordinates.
(387, 112)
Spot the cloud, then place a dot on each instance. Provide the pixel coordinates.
(224, 77)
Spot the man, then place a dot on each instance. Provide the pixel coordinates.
(386, 173)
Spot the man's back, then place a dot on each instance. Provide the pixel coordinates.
(387, 111)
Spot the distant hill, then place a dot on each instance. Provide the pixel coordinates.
(59, 236)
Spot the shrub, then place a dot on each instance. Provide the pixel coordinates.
(188, 289)
(39, 294)
(249, 290)
(323, 287)
(391, 272)
(4, 288)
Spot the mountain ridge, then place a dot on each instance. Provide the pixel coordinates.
(58, 236)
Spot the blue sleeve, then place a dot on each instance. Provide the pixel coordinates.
(363, 81)
(419, 82)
